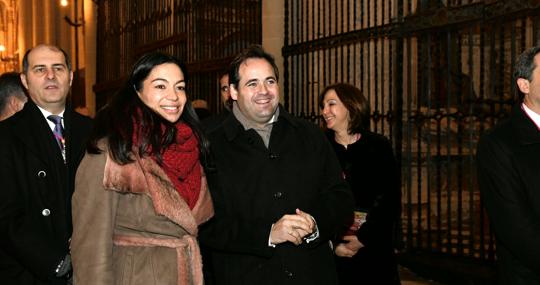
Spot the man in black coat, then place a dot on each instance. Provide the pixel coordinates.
(278, 190)
(509, 178)
(37, 173)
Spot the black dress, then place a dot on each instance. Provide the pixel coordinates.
(370, 169)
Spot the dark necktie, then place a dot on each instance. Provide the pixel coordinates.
(59, 133)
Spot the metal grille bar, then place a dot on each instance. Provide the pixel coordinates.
(206, 34)
(437, 75)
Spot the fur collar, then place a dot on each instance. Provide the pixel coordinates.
(145, 176)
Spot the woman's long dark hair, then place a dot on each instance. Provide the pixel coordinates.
(117, 119)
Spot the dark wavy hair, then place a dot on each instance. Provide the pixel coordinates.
(115, 121)
(355, 102)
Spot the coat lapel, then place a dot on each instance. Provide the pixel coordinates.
(75, 137)
(36, 135)
(144, 176)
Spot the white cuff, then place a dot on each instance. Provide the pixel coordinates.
(270, 244)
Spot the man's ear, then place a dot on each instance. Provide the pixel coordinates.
(15, 103)
(23, 80)
(234, 92)
(523, 85)
(70, 77)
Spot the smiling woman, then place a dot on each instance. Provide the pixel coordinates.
(141, 190)
(164, 91)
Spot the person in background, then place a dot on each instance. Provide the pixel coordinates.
(201, 108)
(12, 95)
(40, 149)
(212, 122)
(365, 252)
(277, 187)
(508, 158)
(226, 99)
(141, 191)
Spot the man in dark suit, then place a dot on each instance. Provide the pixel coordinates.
(509, 177)
(39, 158)
(278, 192)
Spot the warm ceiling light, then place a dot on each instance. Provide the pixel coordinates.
(64, 3)
(2, 48)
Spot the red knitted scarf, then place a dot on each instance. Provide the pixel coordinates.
(181, 164)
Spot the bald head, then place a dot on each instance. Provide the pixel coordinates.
(26, 65)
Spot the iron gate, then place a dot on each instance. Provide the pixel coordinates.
(206, 34)
(437, 74)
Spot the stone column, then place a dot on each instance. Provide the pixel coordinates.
(273, 31)
(89, 56)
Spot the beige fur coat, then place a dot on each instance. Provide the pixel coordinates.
(130, 225)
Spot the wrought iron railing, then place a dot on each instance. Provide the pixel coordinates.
(437, 75)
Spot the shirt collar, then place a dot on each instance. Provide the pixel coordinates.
(532, 115)
(46, 114)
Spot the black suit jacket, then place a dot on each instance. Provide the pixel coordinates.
(35, 200)
(509, 178)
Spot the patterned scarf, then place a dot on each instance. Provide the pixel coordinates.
(181, 163)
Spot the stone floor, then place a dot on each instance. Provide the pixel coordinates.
(410, 278)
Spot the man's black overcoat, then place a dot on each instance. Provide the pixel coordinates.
(35, 196)
(254, 186)
(509, 177)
